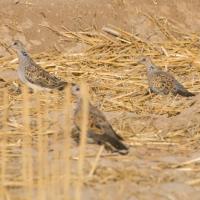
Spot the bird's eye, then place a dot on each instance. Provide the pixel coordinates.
(15, 43)
(77, 89)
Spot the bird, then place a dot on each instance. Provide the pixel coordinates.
(161, 82)
(32, 74)
(99, 130)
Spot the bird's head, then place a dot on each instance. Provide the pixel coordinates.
(18, 46)
(75, 90)
(144, 60)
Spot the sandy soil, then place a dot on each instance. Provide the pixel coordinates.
(154, 169)
(23, 19)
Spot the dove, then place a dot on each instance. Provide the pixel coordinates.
(100, 130)
(32, 74)
(161, 82)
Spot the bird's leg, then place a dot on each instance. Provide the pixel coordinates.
(32, 90)
(148, 92)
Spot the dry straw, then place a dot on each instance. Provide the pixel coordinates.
(67, 143)
(118, 85)
(95, 163)
(27, 167)
(4, 140)
(40, 148)
(45, 147)
(83, 139)
(54, 167)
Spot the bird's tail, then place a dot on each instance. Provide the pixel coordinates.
(64, 84)
(112, 143)
(117, 145)
(185, 93)
(181, 90)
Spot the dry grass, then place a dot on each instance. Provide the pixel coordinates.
(37, 154)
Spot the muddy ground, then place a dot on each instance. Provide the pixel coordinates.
(160, 164)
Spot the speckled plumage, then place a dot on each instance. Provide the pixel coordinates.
(100, 130)
(161, 82)
(32, 74)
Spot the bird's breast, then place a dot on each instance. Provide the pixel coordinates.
(21, 74)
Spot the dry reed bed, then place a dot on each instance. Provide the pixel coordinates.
(117, 86)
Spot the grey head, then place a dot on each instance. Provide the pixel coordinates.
(145, 60)
(19, 48)
(76, 90)
(24, 58)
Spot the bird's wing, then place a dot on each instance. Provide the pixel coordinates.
(162, 82)
(38, 76)
(98, 121)
(112, 143)
(100, 131)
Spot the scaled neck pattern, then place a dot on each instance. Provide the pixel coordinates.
(151, 68)
(79, 103)
(24, 58)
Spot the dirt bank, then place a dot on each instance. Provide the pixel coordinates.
(22, 19)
